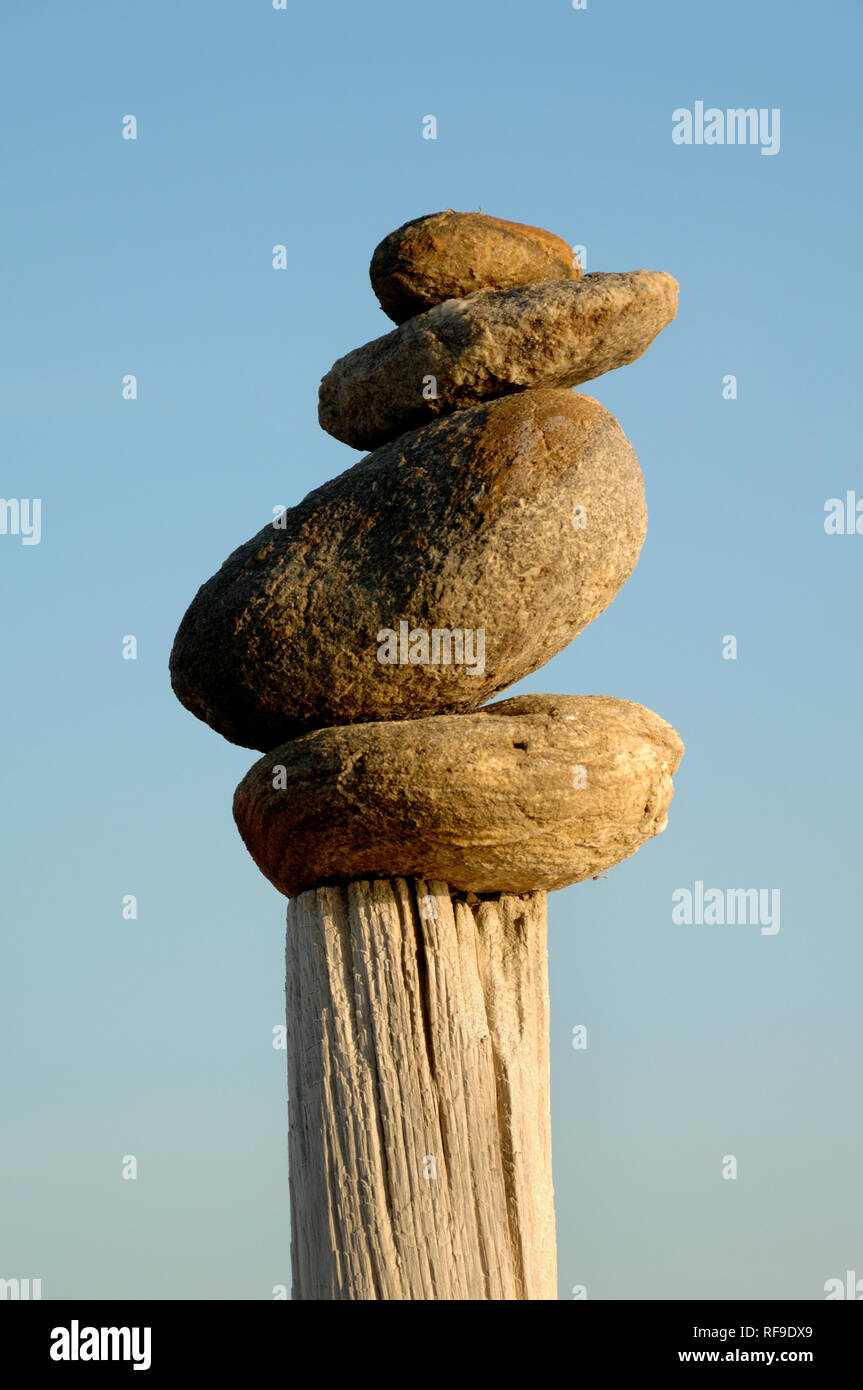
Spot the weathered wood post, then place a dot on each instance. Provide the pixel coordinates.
(415, 828)
(420, 1134)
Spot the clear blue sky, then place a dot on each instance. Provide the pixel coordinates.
(255, 127)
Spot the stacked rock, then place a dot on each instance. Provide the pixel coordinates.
(358, 638)
(416, 828)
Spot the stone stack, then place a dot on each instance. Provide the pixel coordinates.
(416, 828)
(357, 639)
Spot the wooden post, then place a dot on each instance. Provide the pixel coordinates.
(420, 1135)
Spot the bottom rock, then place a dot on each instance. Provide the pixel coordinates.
(534, 792)
(537, 791)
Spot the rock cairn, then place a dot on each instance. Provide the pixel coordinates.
(415, 828)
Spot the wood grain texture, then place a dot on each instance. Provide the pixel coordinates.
(420, 1137)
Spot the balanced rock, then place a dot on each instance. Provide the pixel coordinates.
(447, 255)
(533, 793)
(494, 342)
(425, 579)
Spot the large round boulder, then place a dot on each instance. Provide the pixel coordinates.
(426, 579)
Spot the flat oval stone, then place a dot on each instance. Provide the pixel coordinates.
(532, 793)
(465, 351)
(447, 255)
(425, 579)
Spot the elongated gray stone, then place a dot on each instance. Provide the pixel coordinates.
(494, 342)
(425, 579)
(533, 793)
(447, 255)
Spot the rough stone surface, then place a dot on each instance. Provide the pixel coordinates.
(555, 333)
(420, 1139)
(464, 525)
(534, 793)
(447, 255)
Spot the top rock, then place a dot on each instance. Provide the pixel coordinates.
(448, 255)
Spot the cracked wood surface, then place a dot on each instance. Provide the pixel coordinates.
(420, 1137)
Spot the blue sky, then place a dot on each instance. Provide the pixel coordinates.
(258, 127)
